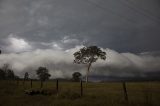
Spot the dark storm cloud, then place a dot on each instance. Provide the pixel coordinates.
(124, 26)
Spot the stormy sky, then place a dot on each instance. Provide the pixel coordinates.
(48, 31)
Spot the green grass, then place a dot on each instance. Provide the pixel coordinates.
(102, 94)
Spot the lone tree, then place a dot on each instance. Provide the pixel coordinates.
(43, 73)
(76, 76)
(89, 55)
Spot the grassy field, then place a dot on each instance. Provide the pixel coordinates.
(102, 94)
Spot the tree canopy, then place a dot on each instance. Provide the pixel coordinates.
(88, 55)
(43, 73)
(76, 76)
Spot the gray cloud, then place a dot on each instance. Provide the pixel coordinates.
(37, 33)
(114, 24)
(60, 63)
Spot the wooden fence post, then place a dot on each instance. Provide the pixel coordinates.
(41, 84)
(31, 83)
(23, 81)
(17, 81)
(57, 88)
(81, 88)
(125, 91)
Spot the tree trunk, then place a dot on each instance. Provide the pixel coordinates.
(87, 73)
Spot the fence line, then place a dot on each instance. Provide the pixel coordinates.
(81, 87)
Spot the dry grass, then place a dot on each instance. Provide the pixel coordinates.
(102, 94)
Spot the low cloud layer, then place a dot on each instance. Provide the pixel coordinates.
(60, 63)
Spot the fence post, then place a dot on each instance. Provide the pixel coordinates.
(41, 84)
(81, 88)
(23, 81)
(31, 83)
(17, 81)
(57, 86)
(125, 91)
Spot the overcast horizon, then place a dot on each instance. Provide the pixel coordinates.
(46, 33)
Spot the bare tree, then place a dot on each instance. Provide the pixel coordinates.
(26, 76)
(6, 67)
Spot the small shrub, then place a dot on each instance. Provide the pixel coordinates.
(40, 92)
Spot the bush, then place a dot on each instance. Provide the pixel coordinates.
(40, 92)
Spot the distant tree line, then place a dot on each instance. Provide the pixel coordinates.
(86, 55)
(6, 73)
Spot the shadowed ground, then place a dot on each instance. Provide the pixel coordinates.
(102, 94)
